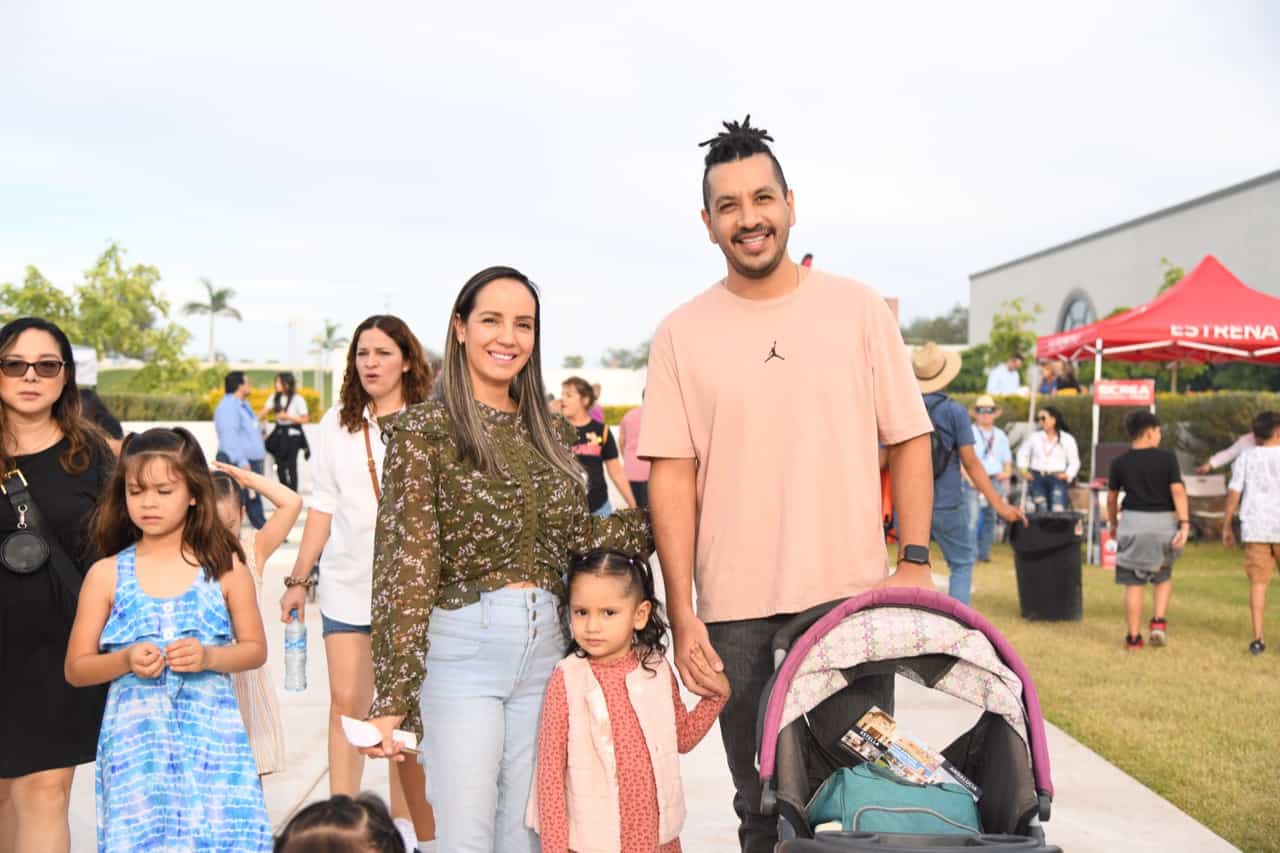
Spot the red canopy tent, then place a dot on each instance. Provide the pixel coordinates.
(1210, 316)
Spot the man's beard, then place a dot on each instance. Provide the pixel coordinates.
(769, 266)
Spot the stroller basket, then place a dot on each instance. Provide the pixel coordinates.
(838, 659)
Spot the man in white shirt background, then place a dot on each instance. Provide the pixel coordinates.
(991, 445)
(1006, 378)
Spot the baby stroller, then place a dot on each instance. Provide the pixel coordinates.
(833, 662)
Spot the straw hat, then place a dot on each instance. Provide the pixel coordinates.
(986, 402)
(934, 367)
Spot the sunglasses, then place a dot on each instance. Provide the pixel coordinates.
(15, 368)
(1042, 417)
(985, 410)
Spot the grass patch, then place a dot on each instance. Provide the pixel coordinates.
(1198, 721)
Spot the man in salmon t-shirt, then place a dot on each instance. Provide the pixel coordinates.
(768, 397)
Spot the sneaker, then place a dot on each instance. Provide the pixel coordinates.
(1158, 629)
(1132, 643)
(1257, 647)
(405, 827)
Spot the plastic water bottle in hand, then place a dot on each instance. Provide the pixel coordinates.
(295, 654)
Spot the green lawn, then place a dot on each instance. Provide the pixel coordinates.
(1197, 721)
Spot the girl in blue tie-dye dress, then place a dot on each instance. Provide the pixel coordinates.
(165, 620)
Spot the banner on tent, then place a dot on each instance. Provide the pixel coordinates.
(1124, 392)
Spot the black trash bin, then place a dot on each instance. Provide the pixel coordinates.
(1046, 556)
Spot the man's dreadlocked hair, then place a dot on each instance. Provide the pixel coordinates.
(737, 142)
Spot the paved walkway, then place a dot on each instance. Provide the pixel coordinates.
(1098, 808)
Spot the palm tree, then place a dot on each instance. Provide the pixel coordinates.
(326, 343)
(219, 305)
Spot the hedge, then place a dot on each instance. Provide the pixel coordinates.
(258, 399)
(1206, 422)
(132, 406)
(613, 414)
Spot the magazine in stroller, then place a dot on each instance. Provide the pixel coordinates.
(837, 777)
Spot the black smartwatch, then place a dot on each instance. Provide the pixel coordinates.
(918, 554)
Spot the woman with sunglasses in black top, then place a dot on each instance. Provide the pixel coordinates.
(46, 726)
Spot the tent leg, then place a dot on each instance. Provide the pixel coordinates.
(1095, 558)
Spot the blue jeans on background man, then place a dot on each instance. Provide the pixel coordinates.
(488, 665)
(982, 518)
(1048, 492)
(252, 501)
(954, 534)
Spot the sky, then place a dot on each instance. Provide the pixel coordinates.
(334, 160)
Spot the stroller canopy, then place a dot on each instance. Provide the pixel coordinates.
(905, 624)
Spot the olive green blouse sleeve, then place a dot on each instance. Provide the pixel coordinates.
(626, 530)
(406, 576)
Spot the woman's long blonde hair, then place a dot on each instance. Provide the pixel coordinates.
(527, 390)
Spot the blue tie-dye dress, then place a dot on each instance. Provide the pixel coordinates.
(175, 771)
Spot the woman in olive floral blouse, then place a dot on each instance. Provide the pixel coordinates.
(483, 503)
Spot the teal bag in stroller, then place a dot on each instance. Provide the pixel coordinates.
(869, 798)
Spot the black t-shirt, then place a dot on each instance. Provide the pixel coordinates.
(44, 722)
(594, 447)
(1145, 477)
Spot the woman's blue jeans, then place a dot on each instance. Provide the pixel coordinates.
(1048, 492)
(488, 665)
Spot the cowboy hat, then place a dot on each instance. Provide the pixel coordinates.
(934, 367)
(986, 402)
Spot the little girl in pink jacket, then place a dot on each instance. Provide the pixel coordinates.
(613, 725)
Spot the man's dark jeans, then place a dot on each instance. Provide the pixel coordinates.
(745, 648)
(252, 500)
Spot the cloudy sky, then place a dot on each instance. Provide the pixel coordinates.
(331, 160)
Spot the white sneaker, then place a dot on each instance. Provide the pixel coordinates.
(426, 847)
(407, 834)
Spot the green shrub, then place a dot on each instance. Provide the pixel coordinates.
(1208, 422)
(613, 414)
(258, 396)
(129, 406)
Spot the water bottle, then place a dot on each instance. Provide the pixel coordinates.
(295, 654)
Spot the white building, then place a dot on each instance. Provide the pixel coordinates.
(1085, 279)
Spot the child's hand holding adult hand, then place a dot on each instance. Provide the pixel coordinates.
(186, 655)
(145, 660)
(718, 681)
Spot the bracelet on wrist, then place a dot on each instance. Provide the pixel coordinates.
(291, 581)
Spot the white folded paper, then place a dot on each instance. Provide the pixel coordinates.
(364, 735)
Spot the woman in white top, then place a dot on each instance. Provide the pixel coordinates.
(287, 439)
(386, 371)
(1051, 460)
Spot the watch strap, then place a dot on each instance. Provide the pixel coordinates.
(918, 554)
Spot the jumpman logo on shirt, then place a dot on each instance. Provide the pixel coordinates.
(773, 353)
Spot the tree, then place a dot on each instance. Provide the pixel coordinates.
(219, 305)
(1172, 275)
(626, 359)
(117, 310)
(119, 307)
(572, 362)
(1011, 331)
(323, 344)
(949, 328)
(39, 297)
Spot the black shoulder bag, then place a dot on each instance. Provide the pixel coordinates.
(26, 550)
